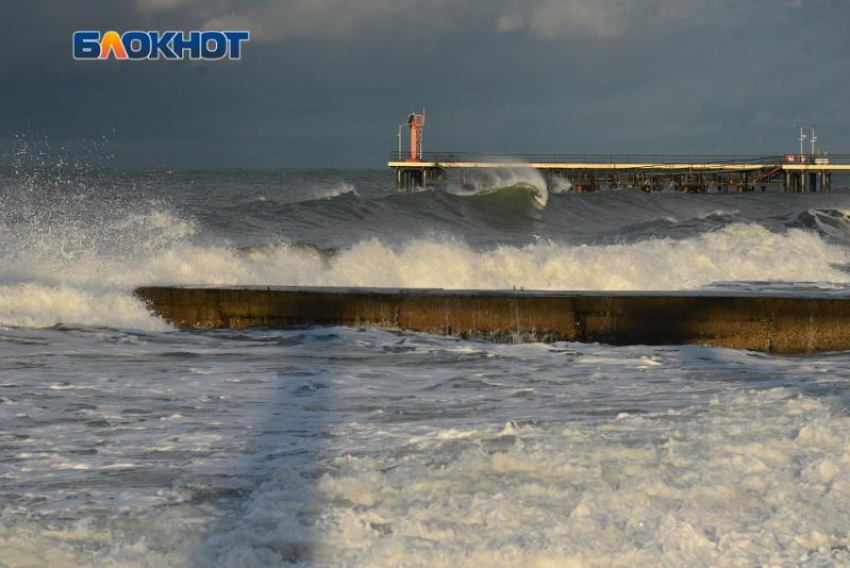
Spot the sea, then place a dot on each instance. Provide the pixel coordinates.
(127, 442)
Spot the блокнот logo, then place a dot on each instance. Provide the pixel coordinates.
(137, 45)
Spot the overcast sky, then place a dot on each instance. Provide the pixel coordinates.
(326, 82)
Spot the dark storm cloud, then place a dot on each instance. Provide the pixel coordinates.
(326, 82)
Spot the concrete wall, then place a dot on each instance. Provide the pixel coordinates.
(780, 324)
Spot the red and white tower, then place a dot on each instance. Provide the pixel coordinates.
(416, 122)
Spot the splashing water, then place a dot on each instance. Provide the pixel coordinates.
(78, 274)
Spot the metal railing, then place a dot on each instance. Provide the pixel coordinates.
(662, 159)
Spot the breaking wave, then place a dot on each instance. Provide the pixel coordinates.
(77, 273)
(336, 191)
(503, 184)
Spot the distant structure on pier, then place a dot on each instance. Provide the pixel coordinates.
(797, 173)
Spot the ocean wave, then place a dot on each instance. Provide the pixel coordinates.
(502, 183)
(51, 279)
(37, 305)
(832, 222)
(737, 252)
(335, 191)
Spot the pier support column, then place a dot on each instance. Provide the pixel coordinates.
(795, 182)
(743, 184)
(411, 178)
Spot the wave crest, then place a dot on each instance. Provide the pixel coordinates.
(74, 269)
(503, 183)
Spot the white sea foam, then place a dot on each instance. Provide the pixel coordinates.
(38, 305)
(756, 478)
(751, 478)
(560, 185)
(738, 252)
(441, 453)
(336, 191)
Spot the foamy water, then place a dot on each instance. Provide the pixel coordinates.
(372, 448)
(51, 280)
(128, 443)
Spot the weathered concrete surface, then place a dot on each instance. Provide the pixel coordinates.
(779, 323)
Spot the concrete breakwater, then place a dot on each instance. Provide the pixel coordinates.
(777, 323)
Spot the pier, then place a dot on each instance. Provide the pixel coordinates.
(795, 173)
(778, 323)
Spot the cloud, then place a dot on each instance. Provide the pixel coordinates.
(766, 119)
(510, 22)
(496, 75)
(281, 20)
(190, 7)
(579, 18)
(565, 19)
(333, 19)
(155, 6)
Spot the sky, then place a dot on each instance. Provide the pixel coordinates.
(325, 83)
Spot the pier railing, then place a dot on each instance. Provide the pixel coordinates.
(481, 157)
